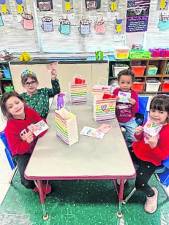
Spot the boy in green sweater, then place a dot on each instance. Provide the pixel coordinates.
(38, 99)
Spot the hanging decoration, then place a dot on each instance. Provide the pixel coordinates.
(68, 5)
(113, 5)
(3, 7)
(85, 27)
(118, 26)
(92, 4)
(19, 7)
(99, 26)
(45, 5)
(65, 26)
(1, 21)
(47, 24)
(27, 21)
(163, 4)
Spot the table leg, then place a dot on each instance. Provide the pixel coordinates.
(120, 198)
(42, 197)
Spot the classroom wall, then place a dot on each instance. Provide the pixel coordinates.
(16, 38)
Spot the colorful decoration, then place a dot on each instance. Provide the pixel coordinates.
(113, 5)
(25, 57)
(64, 27)
(118, 25)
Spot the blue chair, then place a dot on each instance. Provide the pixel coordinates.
(8, 153)
(163, 173)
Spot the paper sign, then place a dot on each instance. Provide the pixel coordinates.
(38, 128)
(124, 96)
(92, 132)
(152, 128)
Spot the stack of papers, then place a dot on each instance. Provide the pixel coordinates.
(78, 93)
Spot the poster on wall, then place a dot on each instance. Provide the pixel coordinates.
(137, 15)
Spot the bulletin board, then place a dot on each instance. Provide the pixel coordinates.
(82, 26)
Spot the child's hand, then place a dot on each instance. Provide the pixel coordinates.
(132, 101)
(53, 69)
(29, 138)
(53, 74)
(138, 130)
(152, 141)
(26, 136)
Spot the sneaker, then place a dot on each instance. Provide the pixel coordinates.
(151, 202)
(46, 188)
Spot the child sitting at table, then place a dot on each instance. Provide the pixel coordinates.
(38, 99)
(20, 138)
(151, 148)
(127, 104)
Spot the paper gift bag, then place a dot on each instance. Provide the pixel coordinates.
(66, 126)
(78, 90)
(103, 109)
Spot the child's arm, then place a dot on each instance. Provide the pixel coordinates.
(134, 102)
(161, 150)
(16, 144)
(55, 82)
(138, 133)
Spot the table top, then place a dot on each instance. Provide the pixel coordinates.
(90, 158)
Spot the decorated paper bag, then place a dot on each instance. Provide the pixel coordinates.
(66, 126)
(103, 109)
(78, 90)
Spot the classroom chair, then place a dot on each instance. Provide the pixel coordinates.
(8, 153)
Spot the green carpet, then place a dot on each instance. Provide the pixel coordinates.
(80, 203)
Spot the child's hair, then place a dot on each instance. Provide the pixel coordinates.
(126, 72)
(28, 74)
(160, 102)
(4, 99)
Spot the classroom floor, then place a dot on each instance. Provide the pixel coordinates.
(80, 203)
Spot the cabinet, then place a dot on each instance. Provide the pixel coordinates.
(6, 83)
(151, 75)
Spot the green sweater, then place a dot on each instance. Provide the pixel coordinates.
(40, 100)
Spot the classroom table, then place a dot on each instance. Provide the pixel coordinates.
(89, 159)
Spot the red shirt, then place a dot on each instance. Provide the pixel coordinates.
(153, 155)
(126, 111)
(14, 128)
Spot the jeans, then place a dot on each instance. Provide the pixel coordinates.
(130, 127)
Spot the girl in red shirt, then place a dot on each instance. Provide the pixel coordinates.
(20, 139)
(149, 151)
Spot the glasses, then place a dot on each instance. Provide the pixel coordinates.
(30, 83)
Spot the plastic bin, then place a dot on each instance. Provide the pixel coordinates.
(152, 70)
(138, 70)
(117, 69)
(165, 87)
(138, 86)
(121, 53)
(152, 86)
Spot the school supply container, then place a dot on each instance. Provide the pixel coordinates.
(121, 53)
(152, 85)
(117, 69)
(138, 70)
(152, 70)
(138, 86)
(139, 54)
(165, 87)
